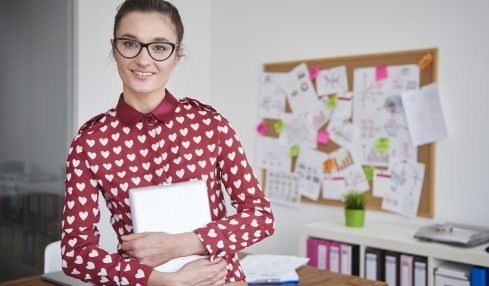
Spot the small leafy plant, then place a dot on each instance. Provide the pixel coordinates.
(354, 201)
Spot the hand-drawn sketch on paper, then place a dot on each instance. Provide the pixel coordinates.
(330, 81)
(309, 169)
(295, 132)
(273, 94)
(272, 155)
(300, 91)
(406, 183)
(378, 112)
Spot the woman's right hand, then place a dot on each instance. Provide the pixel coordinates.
(200, 272)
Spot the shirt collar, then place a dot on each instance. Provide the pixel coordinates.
(164, 111)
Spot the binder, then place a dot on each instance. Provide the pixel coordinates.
(346, 259)
(451, 273)
(323, 254)
(406, 270)
(312, 251)
(334, 257)
(374, 266)
(391, 262)
(478, 276)
(420, 271)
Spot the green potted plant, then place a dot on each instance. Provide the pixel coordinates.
(354, 209)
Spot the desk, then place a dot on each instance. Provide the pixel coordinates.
(309, 276)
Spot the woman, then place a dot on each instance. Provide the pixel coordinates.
(151, 138)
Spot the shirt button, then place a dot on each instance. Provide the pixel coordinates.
(147, 118)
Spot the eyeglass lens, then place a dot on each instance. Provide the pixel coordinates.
(129, 48)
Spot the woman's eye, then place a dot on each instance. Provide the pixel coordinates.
(130, 44)
(160, 48)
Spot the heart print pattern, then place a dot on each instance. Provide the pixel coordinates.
(121, 149)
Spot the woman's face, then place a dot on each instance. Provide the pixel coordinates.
(143, 76)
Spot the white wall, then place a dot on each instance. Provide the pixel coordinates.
(229, 41)
(247, 34)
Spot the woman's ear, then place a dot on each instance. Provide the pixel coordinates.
(180, 53)
(112, 48)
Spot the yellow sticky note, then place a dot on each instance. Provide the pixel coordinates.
(382, 144)
(332, 101)
(294, 151)
(369, 172)
(278, 126)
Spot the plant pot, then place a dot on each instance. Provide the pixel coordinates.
(354, 218)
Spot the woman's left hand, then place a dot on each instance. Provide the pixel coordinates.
(156, 248)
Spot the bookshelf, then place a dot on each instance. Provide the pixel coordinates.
(392, 237)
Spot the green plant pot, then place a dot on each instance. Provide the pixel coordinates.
(354, 218)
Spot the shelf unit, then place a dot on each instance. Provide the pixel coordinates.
(393, 237)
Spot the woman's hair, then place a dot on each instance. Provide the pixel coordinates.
(160, 6)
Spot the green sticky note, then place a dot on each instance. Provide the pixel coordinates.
(369, 172)
(382, 145)
(278, 126)
(294, 151)
(332, 101)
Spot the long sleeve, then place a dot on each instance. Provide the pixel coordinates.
(254, 220)
(81, 255)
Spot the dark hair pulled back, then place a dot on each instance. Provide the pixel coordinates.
(160, 6)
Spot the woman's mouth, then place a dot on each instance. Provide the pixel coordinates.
(143, 75)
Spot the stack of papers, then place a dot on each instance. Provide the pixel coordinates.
(272, 269)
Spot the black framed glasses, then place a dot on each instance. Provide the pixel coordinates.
(158, 51)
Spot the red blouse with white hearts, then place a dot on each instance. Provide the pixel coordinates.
(179, 141)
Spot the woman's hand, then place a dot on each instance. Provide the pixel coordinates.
(150, 248)
(156, 248)
(202, 272)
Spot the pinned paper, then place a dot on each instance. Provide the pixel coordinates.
(262, 128)
(425, 61)
(309, 169)
(378, 112)
(332, 101)
(278, 126)
(331, 81)
(272, 95)
(334, 187)
(329, 166)
(342, 132)
(381, 183)
(294, 151)
(283, 187)
(323, 137)
(271, 155)
(295, 132)
(313, 73)
(381, 73)
(369, 172)
(382, 145)
(424, 115)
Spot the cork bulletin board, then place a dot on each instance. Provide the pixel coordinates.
(427, 59)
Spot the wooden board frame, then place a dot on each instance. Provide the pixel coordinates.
(426, 153)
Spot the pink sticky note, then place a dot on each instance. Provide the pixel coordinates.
(323, 137)
(313, 73)
(381, 73)
(262, 129)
